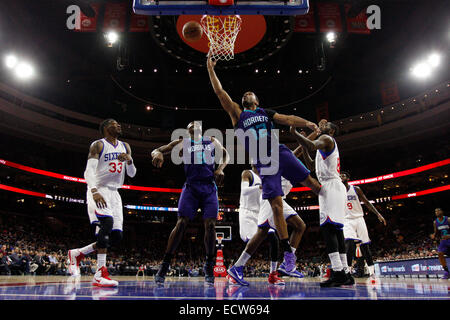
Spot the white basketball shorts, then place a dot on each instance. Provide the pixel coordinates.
(356, 229)
(332, 202)
(114, 207)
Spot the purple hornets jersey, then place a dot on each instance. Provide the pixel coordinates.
(259, 122)
(443, 227)
(198, 158)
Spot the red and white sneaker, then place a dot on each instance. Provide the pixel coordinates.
(75, 256)
(102, 279)
(231, 280)
(275, 279)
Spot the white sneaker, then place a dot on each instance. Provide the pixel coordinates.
(372, 279)
(75, 256)
(101, 279)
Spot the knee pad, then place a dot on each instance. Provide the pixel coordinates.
(103, 237)
(116, 237)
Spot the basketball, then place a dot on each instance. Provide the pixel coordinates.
(192, 31)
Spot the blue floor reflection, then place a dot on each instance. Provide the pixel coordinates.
(186, 289)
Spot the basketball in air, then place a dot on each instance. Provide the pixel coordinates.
(192, 31)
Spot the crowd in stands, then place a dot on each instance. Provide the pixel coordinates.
(38, 246)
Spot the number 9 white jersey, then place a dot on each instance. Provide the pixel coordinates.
(353, 208)
(110, 171)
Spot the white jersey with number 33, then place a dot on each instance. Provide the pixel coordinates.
(110, 171)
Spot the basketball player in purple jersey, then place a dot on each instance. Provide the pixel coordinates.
(442, 225)
(199, 191)
(258, 121)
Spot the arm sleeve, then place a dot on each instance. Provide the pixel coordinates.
(89, 173)
(246, 189)
(131, 169)
(270, 113)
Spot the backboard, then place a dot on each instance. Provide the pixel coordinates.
(225, 232)
(239, 7)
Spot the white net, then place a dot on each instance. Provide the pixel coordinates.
(222, 33)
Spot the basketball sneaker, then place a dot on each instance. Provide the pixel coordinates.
(289, 261)
(446, 275)
(208, 268)
(160, 276)
(231, 280)
(294, 273)
(337, 278)
(238, 275)
(372, 279)
(75, 256)
(102, 279)
(350, 280)
(275, 279)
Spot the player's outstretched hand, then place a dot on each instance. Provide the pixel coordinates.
(211, 63)
(313, 127)
(99, 200)
(219, 177)
(157, 159)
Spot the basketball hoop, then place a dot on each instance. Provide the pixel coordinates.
(222, 32)
(219, 239)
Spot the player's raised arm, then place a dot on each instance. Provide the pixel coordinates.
(130, 167)
(89, 173)
(231, 107)
(371, 207)
(294, 121)
(224, 160)
(324, 143)
(158, 153)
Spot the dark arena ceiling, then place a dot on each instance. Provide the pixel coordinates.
(78, 71)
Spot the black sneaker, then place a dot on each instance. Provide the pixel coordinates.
(350, 280)
(337, 278)
(160, 276)
(208, 268)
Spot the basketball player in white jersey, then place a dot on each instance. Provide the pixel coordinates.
(355, 229)
(265, 225)
(108, 160)
(332, 199)
(249, 209)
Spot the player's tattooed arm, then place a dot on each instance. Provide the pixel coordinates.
(371, 207)
(158, 153)
(130, 167)
(324, 143)
(224, 159)
(295, 121)
(231, 107)
(89, 174)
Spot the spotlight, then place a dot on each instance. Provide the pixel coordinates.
(421, 70)
(331, 38)
(155, 70)
(111, 37)
(24, 70)
(256, 70)
(10, 61)
(434, 59)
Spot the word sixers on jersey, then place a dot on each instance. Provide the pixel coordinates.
(112, 156)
